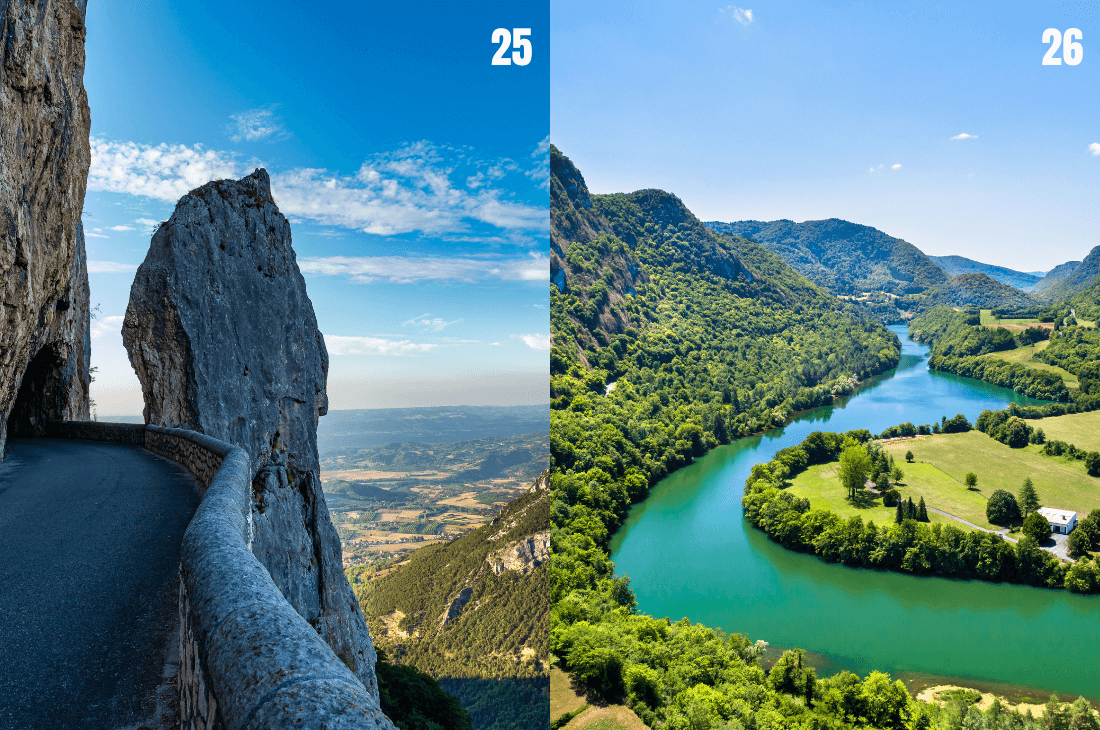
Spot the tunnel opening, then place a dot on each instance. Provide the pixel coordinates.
(41, 395)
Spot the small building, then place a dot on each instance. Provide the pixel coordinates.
(1062, 521)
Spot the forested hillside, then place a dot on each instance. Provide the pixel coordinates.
(961, 345)
(955, 265)
(1083, 276)
(845, 258)
(473, 614)
(669, 338)
(972, 290)
(1055, 275)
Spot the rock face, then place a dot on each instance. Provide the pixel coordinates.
(224, 340)
(44, 159)
(522, 556)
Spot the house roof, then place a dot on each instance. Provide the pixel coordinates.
(1057, 516)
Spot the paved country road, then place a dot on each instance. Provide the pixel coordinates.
(90, 538)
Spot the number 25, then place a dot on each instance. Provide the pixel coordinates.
(515, 39)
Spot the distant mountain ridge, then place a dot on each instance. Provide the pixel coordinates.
(845, 258)
(1074, 280)
(955, 265)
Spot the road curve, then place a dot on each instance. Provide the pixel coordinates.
(90, 538)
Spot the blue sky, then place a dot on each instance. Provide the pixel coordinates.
(935, 122)
(414, 174)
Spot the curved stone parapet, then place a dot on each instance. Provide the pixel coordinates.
(247, 658)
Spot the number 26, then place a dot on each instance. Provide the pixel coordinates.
(515, 39)
(1073, 52)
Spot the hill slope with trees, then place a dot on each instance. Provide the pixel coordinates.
(973, 290)
(473, 613)
(845, 258)
(1081, 277)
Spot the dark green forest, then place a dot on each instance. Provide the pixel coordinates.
(705, 338)
(958, 343)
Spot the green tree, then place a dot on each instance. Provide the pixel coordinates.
(1078, 545)
(971, 480)
(1029, 498)
(414, 700)
(1036, 526)
(909, 456)
(1001, 509)
(899, 514)
(922, 511)
(855, 465)
(1092, 463)
(898, 474)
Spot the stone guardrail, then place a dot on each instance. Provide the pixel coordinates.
(247, 658)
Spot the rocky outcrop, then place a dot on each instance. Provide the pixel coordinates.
(44, 159)
(522, 556)
(224, 340)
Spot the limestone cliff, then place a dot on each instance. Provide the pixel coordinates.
(44, 159)
(224, 340)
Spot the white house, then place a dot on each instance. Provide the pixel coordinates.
(1061, 521)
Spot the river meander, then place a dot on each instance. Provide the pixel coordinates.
(689, 552)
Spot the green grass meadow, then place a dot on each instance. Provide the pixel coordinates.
(942, 461)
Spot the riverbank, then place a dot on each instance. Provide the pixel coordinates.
(741, 581)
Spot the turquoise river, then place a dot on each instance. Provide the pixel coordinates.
(689, 553)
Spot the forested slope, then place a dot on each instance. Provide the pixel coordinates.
(973, 290)
(1082, 277)
(473, 614)
(845, 258)
(959, 345)
(705, 337)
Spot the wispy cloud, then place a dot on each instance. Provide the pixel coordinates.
(536, 341)
(121, 228)
(895, 166)
(107, 325)
(417, 188)
(541, 172)
(109, 267)
(338, 345)
(257, 124)
(148, 224)
(408, 269)
(427, 323)
(964, 135)
(741, 15)
(1094, 148)
(165, 172)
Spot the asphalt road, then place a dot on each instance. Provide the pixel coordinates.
(90, 538)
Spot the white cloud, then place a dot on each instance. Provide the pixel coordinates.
(429, 323)
(964, 135)
(895, 166)
(338, 345)
(106, 326)
(494, 344)
(536, 342)
(109, 267)
(257, 124)
(541, 172)
(407, 269)
(121, 228)
(93, 234)
(148, 224)
(1094, 148)
(403, 191)
(742, 16)
(164, 172)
